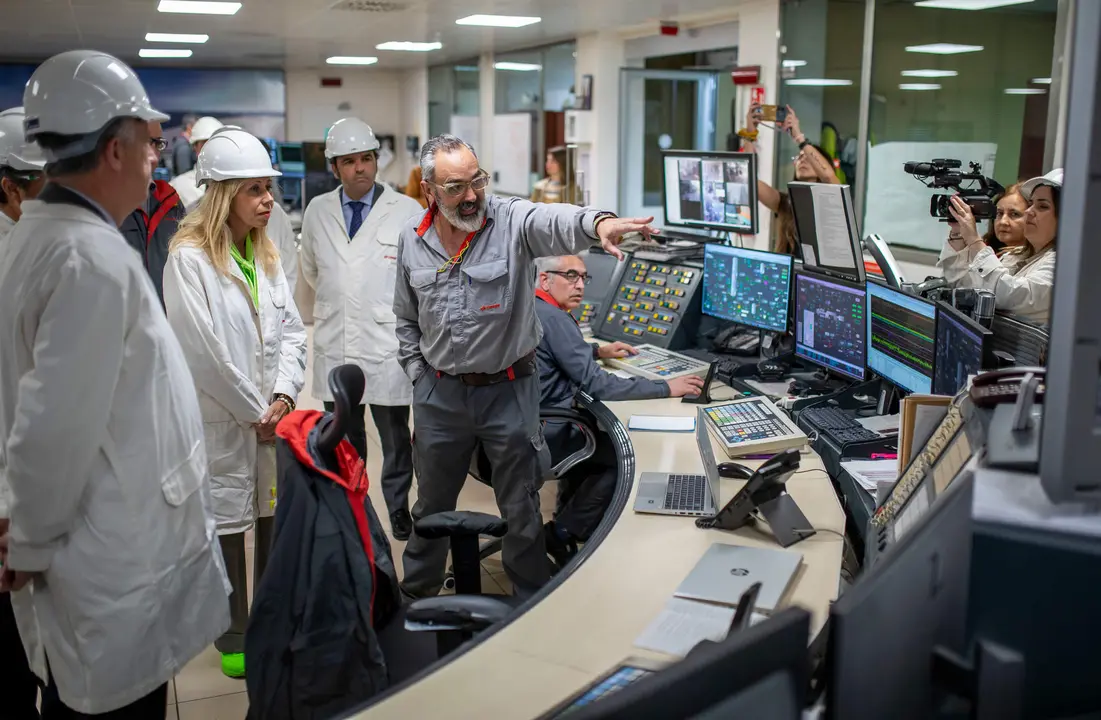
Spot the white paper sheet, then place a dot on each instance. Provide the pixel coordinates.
(880, 423)
(662, 423)
(682, 624)
(831, 226)
(868, 473)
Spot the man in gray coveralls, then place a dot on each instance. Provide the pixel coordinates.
(467, 332)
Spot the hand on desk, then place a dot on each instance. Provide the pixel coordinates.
(686, 385)
(616, 350)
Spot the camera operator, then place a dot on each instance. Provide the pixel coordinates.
(1021, 280)
(1007, 234)
(812, 164)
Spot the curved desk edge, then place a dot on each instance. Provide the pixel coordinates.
(625, 457)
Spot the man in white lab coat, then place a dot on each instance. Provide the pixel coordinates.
(111, 551)
(280, 229)
(349, 256)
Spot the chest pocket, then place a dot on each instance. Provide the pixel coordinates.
(487, 288)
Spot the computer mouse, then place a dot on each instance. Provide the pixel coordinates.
(735, 471)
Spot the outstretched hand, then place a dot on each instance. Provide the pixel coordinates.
(611, 230)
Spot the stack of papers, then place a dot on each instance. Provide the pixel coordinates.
(869, 473)
(683, 623)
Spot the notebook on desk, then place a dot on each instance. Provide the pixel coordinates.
(726, 571)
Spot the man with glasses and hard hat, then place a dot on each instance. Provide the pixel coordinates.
(111, 551)
(280, 229)
(349, 256)
(467, 331)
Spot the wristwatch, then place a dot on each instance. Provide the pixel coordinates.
(286, 399)
(600, 217)
(596, 351)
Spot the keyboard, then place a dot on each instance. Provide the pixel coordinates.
(686, 493)
(839, 425)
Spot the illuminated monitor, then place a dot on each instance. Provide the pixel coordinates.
(962, 346)
(901, 338)
(711, 190)
(290, 152)
(750, 287)
(829, 323)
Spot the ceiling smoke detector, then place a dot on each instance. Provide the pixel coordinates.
(374, 6)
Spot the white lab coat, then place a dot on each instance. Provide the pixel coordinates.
(6, 225)
(239, 360)
(106, 463)
(1022, 289)
(280, 229)
(354, 311)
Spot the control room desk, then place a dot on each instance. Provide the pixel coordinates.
(589, 623)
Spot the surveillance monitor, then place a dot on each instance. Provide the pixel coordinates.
(711, 190)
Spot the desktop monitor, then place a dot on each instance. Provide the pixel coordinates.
(825, 224)
(749, 287)
(711, 190)
(963, 347)
(883, 629)
(829, 323)
(290, 153)
(761, 672)
(901, 338)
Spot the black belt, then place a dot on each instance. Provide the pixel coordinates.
(523, 367)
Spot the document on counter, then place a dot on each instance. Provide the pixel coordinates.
(662, 423)
(832, 227)
(869, 473)
(682, 624)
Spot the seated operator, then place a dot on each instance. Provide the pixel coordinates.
(566, 364)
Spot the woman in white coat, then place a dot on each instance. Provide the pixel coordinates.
(227, 298)
(1021, 279)
(21, 164)
(349, 256)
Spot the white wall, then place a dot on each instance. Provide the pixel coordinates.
(391, 102)
(602, 55)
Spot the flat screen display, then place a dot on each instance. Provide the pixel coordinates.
(750, 287)
(712, 191)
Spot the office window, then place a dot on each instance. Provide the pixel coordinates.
(453, 99)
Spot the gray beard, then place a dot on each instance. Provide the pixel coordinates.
(457, 221)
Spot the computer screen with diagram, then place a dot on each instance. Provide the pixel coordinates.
(749, 287)
(711, 190)
(829, 323)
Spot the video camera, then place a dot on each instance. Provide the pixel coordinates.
(945, 174)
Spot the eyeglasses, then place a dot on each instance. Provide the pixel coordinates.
(572, 276)
(160, 144)
(458, 189)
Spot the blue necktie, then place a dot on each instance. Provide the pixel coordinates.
(357, 218)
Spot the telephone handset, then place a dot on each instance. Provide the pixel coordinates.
(1003, 386)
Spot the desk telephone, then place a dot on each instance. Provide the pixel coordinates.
(1004, 386)
(1016, 397)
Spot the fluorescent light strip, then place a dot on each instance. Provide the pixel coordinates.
(175, 38)
(501, 21)
(794, 63)
(408, 46)
(164, 53)
(1025, 91)
(919, 86)
(1040, 81)
(351, 60)
(944, 49)
(516, 66)
(929, 73)
(968, 4)
(195, 7)
(819, 82)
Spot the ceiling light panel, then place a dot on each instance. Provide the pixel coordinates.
(1040, 81)
(929, 73)
(196, 7)
(1025, 91)
(919, 86)
(969, 4)
(351, 60)
(819, 82)
(407, 46)
(499, 21)
(175, 38)
(794, 63)
(944, 48)
(517, 66)
(164, 53)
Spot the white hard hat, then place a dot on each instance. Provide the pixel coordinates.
(349, 136)
(1052, 179)
(204, 127)
(233, 154)
(15, 152)
(78, 93)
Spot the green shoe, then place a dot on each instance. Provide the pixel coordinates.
(233, 665)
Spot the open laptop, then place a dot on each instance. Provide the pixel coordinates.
(676, 494)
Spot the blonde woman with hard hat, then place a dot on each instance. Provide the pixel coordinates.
(191, 192)
(227, 298)
(349, 256)
(111, 552)
(21, 169)
(21, 178)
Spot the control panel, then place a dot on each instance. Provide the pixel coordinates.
(604, 280)
(656, 303)
(751, 426)
(659, 364)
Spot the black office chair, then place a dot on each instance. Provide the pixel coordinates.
(454, 618)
